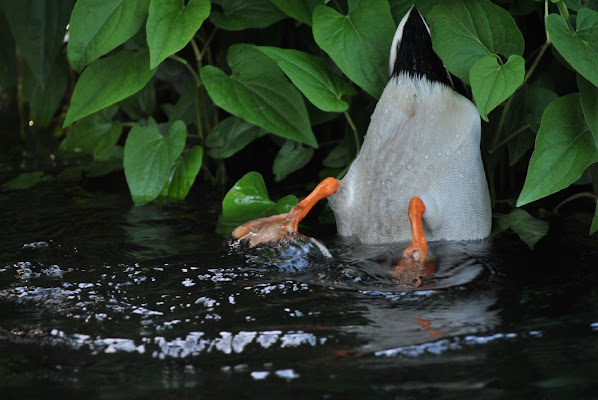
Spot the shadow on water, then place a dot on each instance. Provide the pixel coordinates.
(108, 301)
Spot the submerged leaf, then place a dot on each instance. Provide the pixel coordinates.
(107, 81)
(529, 229)
(358, 42)
(579, 48)
(258, 92)
(98, 26)
(492, 83)
(564, 149)
(465, 31)
(149, 158)
(309, 73)
(171, 25)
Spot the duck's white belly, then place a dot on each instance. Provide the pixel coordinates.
(423, 140)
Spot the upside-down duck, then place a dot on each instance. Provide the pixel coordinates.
(419, 174)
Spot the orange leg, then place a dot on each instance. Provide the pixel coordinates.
(412, 267)
(278, 227)
(418, 251)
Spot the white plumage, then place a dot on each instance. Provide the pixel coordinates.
(423, 141)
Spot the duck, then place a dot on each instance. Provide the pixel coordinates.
(419, 174)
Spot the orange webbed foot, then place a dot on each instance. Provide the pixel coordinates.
(413, 266)
(283, 226)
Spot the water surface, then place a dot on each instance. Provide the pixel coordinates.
(103, 300)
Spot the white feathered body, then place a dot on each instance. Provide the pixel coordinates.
(424, 141)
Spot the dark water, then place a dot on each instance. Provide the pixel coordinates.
(102, 300)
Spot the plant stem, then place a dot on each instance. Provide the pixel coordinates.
(586, 195)
(186, 64)
(508, 139)
(503, 116)
(207, 42)
(355, 133)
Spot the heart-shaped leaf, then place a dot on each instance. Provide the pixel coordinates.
(107, 81)
(237, 15)
(564, 149)
(301, 10)
(149, 158)
(358, 42)
(529, 229)
(309, 73)
(291, 157)
(248, 199)
(258, 92)
(588, 94)
(465, 31)
(492, 83)
(98, 26)
(231, 136)
(579, 48)
(171, 25)
(183, 175)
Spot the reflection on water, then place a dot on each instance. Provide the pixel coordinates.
(90, 287)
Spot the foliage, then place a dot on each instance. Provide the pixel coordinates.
(169, 91)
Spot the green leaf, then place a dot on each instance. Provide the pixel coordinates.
(258, 92)
(358, 42)
(44, 101)
(564, 149)
(231, 136)
(98, 26)
(237, 15)
(38, 27)
(341, 155)
(465, 31)
(94, 134)
(109, 160)
(588, 94)
(24, 180)
(579, 48)
(141, 104)
(291, 157)
(248, 199)
(492, 83)
(107, 81)
(149, 158)
(184, 109)
(301, 10)
(594, 226)
(538, 98)
(171, 25)
(529, 229)
(183, 174)
(310, 75)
